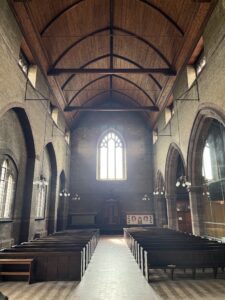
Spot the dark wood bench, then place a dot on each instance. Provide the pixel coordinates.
(57, 257)
(168, 249)
(18, 261)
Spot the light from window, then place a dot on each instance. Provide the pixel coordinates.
(7, 188)
(111, 157)
(200, 64)
(207, 163)
(213, 162)
(9, 197)
(41, 199)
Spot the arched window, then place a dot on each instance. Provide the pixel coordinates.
(213, 162)
(8, 177)
(41, 199)
(111, 157)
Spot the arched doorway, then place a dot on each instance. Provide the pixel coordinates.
(178, 208)
(61, 203)
(17, 146)
(206, 168)
(28, 187)
(182, 199)
(160, 201)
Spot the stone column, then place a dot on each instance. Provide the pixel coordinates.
(172, 211)
(196, 205)
(159, 209)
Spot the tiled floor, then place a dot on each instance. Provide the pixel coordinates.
(37, 291)
(114, 274)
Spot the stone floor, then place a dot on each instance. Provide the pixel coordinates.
(113, 274)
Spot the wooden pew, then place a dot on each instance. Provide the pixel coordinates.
(57, 257)
(168, 249)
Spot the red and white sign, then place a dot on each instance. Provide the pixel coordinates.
(140, 220)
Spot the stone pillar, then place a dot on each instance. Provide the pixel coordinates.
(196, 205)
(172, 211)
(159, 210)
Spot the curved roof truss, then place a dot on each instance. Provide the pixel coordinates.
(108, 76)
(134, 35)
(74, 5)
(107, 56)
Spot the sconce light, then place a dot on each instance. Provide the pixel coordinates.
(76, 197)
(182, 181)
(159, 191)
(64, 193)
(146, 198)
(41, 181)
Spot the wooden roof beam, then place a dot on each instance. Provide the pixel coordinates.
(111, 109)
(58, 71)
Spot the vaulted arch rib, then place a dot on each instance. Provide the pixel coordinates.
(114, 91)
(82, 67)
(105, 56)
(60, 14)
(136, 85)
(153, 6)
(74, 5)
(86, 85)
(116, 76)
(76, 43)
(158, 52)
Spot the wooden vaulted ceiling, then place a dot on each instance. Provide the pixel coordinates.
(132, 49)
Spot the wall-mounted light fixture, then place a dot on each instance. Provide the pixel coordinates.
(182, 181)
(159, 191)
(64, 193)
(41, 181)
(76, 197)
(146, 198)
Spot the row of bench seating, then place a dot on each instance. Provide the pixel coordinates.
(60, 256)
(158, 248)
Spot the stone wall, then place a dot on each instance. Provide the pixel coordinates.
(94, 192)
(13, 84)
(212, 95)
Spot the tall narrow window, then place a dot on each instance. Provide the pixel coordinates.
(111, 157)
(213, 162)
(8, 176)
(41, 200)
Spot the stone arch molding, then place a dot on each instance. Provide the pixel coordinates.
(197, 139)
(198, 135)
(170, 181)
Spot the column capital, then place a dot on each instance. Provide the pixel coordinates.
(195, 189)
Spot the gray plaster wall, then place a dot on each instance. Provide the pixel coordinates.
(93, 192)
(12, 94)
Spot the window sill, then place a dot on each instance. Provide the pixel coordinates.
(111, 180)
(39, 219)
(4, 220)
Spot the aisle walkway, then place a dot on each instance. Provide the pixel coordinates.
(113, 275)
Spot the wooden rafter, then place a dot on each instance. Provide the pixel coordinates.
(111, 77)
(105, 56)
(129, 33)
(74, 5)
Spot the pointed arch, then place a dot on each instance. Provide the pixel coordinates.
(111, 156)
(173, 155)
